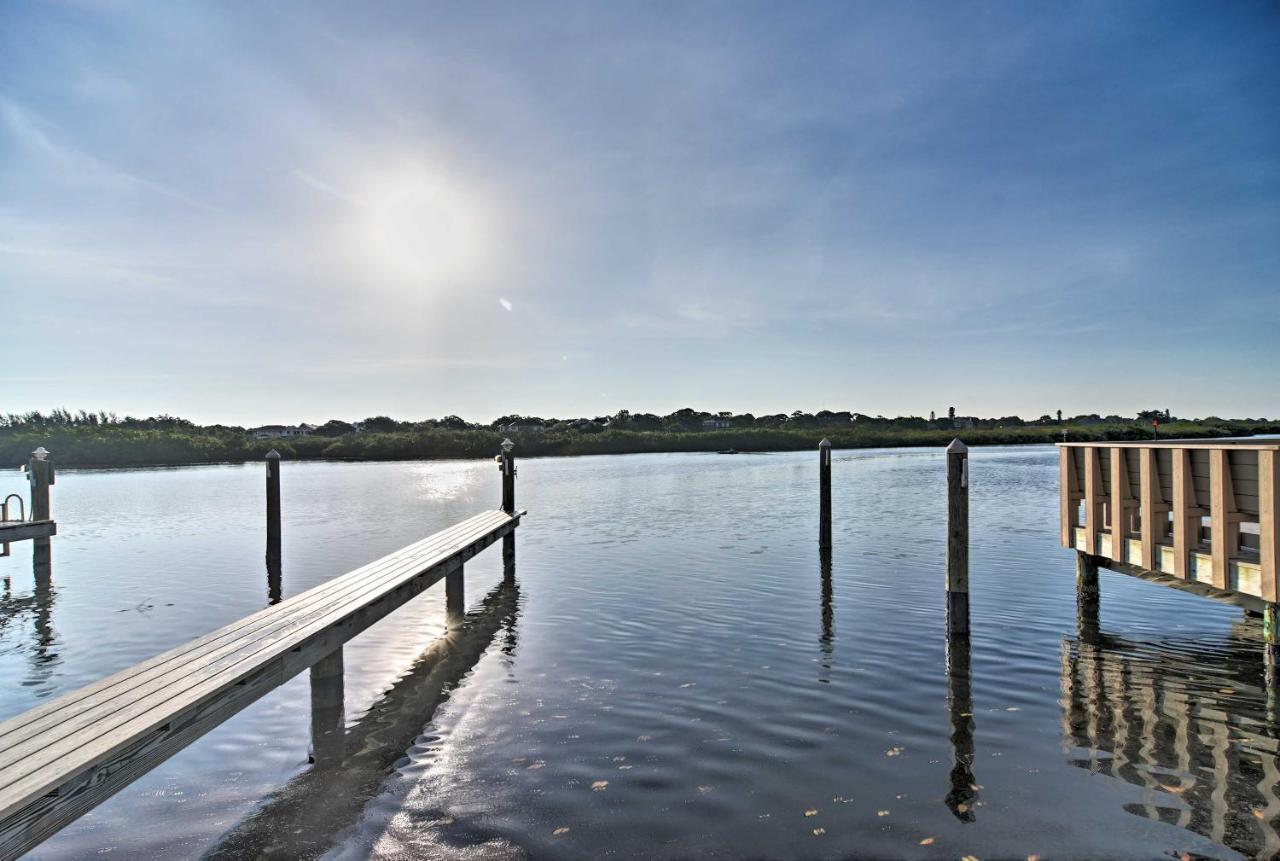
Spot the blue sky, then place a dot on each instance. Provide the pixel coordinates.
(251, 212)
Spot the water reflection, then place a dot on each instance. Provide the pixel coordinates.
(15, 609)
(963, 794)
(826, 640)
(303, 818)
(1193, 731)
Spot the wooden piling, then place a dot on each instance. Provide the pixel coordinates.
(273, 507)
(824, 494)
(328, 719)
(1088, 598)
(40, 474)
(507, 463)
(958, 537)
(455, 603)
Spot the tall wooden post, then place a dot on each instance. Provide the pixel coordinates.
(507, 463)
(273, 507)
(40, 474)
(328, 720)
(824, 494)
(958, 537)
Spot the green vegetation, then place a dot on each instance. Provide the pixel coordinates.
(102, 439)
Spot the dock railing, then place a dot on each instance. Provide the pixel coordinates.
(1197, 511)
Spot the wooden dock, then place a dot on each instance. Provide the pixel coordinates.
(59, 760)
(1197, 515)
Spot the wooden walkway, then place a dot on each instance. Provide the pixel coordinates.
(22, 530)
(61, 759)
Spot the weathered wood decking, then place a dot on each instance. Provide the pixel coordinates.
(23, 530)
(59, 760)
(1194, 512)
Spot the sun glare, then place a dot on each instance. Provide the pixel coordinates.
(422, 227)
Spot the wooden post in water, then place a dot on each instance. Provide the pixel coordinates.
(455, 603)
(328, 719)
(957, 538)
(507, 463)
(824, 494)
(1087, 597)
(40, 474)
(273, 507)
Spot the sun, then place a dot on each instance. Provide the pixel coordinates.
(422, 226)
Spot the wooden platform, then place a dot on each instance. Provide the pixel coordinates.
(61, 759)
(23, 530)
(1196, 511)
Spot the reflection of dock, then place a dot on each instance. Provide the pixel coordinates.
(1202, 760)
(301, 820)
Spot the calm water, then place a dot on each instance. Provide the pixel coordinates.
(676, 674)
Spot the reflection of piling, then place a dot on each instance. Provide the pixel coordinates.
(1087, 598)
(328, 720)
(826, 642)
(957, 538)
(273, 506)
(963, 793)
(824, 493)
(1271, 640)
(507, 464)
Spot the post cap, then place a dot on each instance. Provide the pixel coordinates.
(826, 443)
(507, 445)
(957, 447)
(40, 453)
(274, 453)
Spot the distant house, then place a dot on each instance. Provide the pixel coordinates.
(716, 424)
(279, 431)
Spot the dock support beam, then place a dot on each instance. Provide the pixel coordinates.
(328, 718)
(824, 494)
(507, 463)
(1088, 597)
(957, 538)
(273, 508)
(455, 602)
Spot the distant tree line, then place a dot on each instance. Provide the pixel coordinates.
(85, 438)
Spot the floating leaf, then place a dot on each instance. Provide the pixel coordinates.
(928, 841)
(599, 785)
(561, 830)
